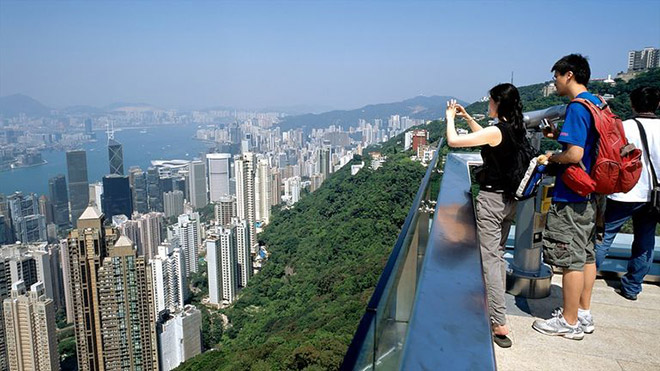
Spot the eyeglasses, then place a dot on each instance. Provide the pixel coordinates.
(554, 77)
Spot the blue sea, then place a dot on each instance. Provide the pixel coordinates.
(158, 143)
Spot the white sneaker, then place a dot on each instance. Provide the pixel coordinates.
(557, 326)
(587, 323)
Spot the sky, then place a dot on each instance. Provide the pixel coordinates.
(334, 54)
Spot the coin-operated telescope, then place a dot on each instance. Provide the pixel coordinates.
(541, 118)
(527, 276)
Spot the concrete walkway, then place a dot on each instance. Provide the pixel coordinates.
(627, 335)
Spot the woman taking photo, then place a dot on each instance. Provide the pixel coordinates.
(495, 207)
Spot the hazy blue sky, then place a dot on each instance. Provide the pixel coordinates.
(340, 54)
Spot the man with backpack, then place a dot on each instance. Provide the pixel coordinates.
(569, 236)
(644, 132)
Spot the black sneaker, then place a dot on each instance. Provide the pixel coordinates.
(626, 295)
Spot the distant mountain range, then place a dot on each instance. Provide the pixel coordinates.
(14, 105)
(420, 107)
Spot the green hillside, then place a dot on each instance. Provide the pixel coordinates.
(533, 99)
(327, 253)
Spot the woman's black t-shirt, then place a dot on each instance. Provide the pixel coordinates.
(497, 159)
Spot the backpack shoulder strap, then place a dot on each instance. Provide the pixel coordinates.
(645, 143)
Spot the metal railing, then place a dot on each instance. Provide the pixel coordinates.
(429, 308)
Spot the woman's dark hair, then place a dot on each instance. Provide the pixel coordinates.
(577, 64)
(509, 107)
(645, 99)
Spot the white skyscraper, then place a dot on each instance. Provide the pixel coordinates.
(263, 191)
(30, 329)
(641, 60)
(95, 193)
(221, 254)
(218, 168)
(189, 233)
(150, 226)
(130, 229)
(169, 278)
(173, 202)
(225, 210)
(243, 253)
(244, 166)
(66, 281)
(198, 189)
(292, 189)
(179, 337)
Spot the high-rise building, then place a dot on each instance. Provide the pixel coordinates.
(243, 251)
(154, 193)
(138, 181)
(641, 60)
(29, 225)
(3, 229)
(45, 208)
(6, 232)
(324, 162)
(65, 263)
(189, 233)
(116, 197)
(5, 292)
(130, 229)
(315, 182)
(218, 167)
(262, 191)
(76, 164)
(88, 126)
(276, 187)
(197, 184)
(151, 233)
(125, 300)
(244, 166)
(179, 337)
(222, 265)
(173, 203)
(34, 262)
(225, 210)
(96, 194)
(111, 297)
(59, 199)
(53, 258)
(22, 205)
(292, 189)
(115, 157)
(30, 329)
(87, 247)
(170, 285)
(31, 228)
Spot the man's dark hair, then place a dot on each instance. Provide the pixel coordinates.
(575, 63)
(645, 99)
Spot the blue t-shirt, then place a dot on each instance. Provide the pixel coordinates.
(578, 129)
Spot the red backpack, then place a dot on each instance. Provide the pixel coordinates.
(617, 166)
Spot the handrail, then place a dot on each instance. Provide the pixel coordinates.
(365, 326)
(450, 327)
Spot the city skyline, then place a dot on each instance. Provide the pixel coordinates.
(320, 55)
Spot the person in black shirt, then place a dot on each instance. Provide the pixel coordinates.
(495, 207)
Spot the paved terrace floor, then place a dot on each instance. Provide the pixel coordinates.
(627, 335)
